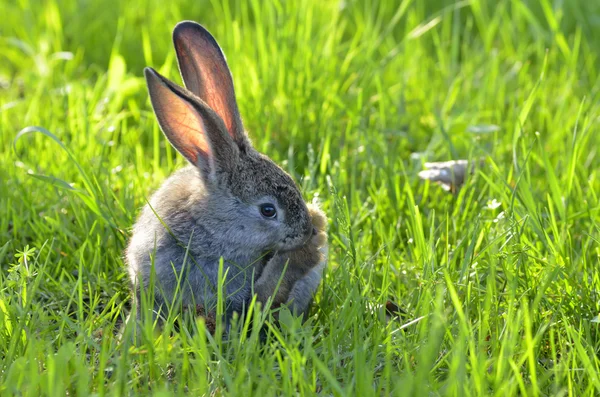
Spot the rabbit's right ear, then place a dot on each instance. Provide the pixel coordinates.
(193, 128)
(205, 73)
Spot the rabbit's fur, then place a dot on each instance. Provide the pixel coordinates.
(211, 209)
(295, 270)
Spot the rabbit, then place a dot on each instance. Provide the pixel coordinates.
(231, 203)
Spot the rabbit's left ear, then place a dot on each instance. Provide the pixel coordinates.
(192, 127)
(205, 73)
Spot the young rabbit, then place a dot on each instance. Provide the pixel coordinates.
(231, 202)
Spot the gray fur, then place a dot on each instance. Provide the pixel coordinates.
(210, 209)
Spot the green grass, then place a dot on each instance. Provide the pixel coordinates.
(502, 297)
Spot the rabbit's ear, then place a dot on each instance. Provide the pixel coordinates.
(205, 72)
(194, 129)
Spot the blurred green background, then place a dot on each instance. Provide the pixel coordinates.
(351, 97)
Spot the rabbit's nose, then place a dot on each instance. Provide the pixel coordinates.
(314, 231)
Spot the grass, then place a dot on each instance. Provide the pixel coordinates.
(499, 282)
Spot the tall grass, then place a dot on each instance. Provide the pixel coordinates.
(499, 283)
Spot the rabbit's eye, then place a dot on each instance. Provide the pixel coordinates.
(268, 210)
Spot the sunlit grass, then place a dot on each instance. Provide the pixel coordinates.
(499, 282)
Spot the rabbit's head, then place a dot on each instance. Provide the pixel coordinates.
(250, 201)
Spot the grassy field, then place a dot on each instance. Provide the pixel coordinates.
(499, 283)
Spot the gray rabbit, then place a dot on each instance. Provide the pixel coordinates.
(231, 202)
